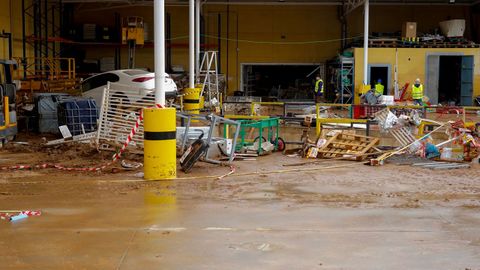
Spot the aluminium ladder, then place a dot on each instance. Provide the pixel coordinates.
(208, 75)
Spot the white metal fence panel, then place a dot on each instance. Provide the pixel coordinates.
(120, 109)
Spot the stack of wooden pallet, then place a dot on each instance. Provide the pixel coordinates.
(348, 146)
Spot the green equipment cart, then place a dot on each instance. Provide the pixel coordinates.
(262, 127)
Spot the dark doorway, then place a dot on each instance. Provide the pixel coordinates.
(449, 81)
(279, 81)
(381, 73)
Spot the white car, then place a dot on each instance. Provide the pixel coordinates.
(136, 78)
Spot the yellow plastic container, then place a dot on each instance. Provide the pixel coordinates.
(202, 98)
(191, 101)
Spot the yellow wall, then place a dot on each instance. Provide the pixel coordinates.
(260, 28)
(411, 64)
(4, 25)
(11, 22)
(389, 18)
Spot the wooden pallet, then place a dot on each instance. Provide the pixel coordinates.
(345, 145)
(401, 135)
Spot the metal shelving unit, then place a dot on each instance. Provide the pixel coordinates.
(345, 80)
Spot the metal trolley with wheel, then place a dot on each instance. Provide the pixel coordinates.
(262, 130)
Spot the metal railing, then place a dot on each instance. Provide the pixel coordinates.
(45, 68)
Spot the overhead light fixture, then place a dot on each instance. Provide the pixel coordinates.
(451, 1)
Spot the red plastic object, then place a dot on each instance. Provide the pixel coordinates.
(404, 91)
(358, 112)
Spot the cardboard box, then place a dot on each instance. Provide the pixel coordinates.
(453, 28)
(409, 30)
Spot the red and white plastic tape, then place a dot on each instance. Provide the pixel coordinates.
(7, 215)
(115, 157)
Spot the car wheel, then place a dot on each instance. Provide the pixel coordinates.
(281, 144)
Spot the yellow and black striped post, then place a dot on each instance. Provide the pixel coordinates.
(160, 152)
(201, 98)
(191, 101)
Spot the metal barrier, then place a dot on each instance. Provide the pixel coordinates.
(368, 111)
(285, 106)
(43, 68)
(469, 114)
(321, 121)
(350, 113)
(120, 110)
(339, 113)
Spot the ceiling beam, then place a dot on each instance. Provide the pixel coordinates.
(349, 5)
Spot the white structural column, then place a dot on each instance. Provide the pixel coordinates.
(197, 36)
(191, 47)
(365, 42)
(159, 51)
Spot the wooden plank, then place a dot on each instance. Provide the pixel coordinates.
(374, 142)
(330, 141)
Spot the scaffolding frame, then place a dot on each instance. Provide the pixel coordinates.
(47, 24)
(345, 80)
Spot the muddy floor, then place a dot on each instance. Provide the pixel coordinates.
(330, 215)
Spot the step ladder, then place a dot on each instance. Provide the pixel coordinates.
(208, 76)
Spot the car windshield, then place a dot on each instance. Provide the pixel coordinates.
(98, 81)
(134, 72)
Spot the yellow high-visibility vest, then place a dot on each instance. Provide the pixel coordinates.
(317, 86)
(417, 92)
(379, 89)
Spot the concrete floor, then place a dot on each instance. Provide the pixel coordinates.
(355, 217)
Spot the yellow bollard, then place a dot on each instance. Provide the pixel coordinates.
(160, 152)
(191, 101)
(6, 111)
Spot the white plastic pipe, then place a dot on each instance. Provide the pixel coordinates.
(197, 36)
(159, 51)
(191, 47)
(365, 42)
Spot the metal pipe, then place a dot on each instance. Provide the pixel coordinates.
(365, 41)
(197, 36)
(218, 65)
(168, 33)
(191, 49)
(45, 16)
(159, 51)
(24, 41)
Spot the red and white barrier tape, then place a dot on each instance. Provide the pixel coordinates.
(115, 157)
(8, 214)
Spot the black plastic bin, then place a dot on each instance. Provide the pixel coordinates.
(78, 113)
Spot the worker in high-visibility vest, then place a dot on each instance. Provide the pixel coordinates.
(417, 93)
(319, 87)
(379, 88)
